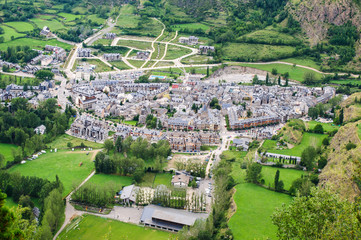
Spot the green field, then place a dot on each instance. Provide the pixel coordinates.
(96, 19)
(197, 59)
(21, 26)
(296, 73)
(92, 227)
(115, 181)
(133, 123)
(5, 149)
(70, 17)
(53, 24)
(148, 27)
(268, 37)
(347, 81)
(174, 52)
(64, 164)
(136, 63)
(245, 52)
(34, 43)
(127, 19)
(120, 65)
(302, 61)
(9, 33)
(135, 44)
(191, 26)
(327, 127)
(147, 180)
(61, 142)
(255, 206)
(286, 175)
(163, 179)
(100, 66)
(308, 139)
(103, 41)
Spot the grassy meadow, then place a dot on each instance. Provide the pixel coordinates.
(61, 142)
(110, 179)
(34, 43)
(174, 52)
(92, 227)
(286, 175)
(64, 164)
(6, 150)
(21, 26)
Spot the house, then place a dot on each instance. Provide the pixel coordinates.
(181, 180)
(40, 129)
(112, 56)
(206, 49)
(46, 61)
(144, 55)
(84, 52)
(128, 194)
(45, 31)
(168, 219)
(241, 143)
(110, 35)
(192, 40)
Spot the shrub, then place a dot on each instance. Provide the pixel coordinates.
(350, 146)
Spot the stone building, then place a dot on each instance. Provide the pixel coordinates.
(89, 128)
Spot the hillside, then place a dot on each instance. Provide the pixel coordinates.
(315, 16)
(342, 165)
(352, 110)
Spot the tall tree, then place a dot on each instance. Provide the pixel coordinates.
(253, 173)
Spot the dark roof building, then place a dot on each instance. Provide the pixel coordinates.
(168, 219)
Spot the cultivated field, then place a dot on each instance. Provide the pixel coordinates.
(92, 227)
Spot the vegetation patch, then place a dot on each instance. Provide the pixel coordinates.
(135, 44)
(92, 227)
(163, 179)
(71, 168)
(174, 52)
(286, 175)
(61, 142)
(115, 181)
(10, 34)
(34, 43)
(52, 24)
(21, 26)
(6, 151)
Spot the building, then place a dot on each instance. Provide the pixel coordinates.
(112, 56)
(89, 129)
(192, 40)
(110, 35)
(241, 143)
(180, 180)
(168, 219)
(84, 52)
(40, 129)
(45, 31)
(206, 49)
(144, 55)
(128, 194)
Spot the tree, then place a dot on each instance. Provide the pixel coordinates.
(6, 219)
(309, 78)
(274, 71)
(2, 161)
(313, 112)
(308, 157)
(322, 215)
(118, 144)
(277, 182)
(341, 116)
(53, 209)
(301, 186)
(108, 145)
(253, 173)
(279, 81)
(69, 144)
(267, 79)
(318, 129)
(207, 71)
(44, 74)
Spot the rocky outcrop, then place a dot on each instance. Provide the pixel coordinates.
(315, 16)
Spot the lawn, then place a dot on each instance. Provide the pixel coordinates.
(308, 139)
(92, 227)
(61, 142)
(127, 19)
(21, 26)
(64, 164)
(53, 24)
(268, 37)
(255, 206)
(163, 178)
(286, 175)
(70, 17)
(136, 63)
(99, 65)
(132, 122)
(10, 32)
(327, 127)
(34, 43)
(229, 154)
(256, 52)
(174, 52)
(296, 73)
(135, 44)
(5, 149)
(191, 26)
(120, 65)
(115, 181)
(304, 61)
